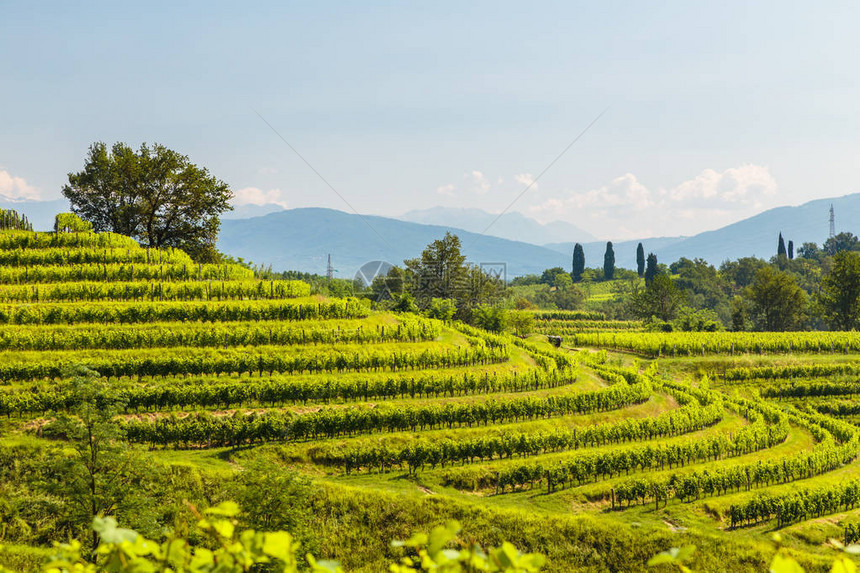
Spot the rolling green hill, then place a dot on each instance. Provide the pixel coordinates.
(599, 454)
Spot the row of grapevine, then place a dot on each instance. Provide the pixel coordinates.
(812, 389)
(274, 390)
(700, 343)
(36, 240)
(161, 291)
(14, 221)
(167, 335)
(808, 370)
(546, 357)
(763, 433)
(509, 444)
(827, 455)
(797, 505)
(568, 315)
(268, 360)
(206, 429)
(117, 272)
(838, 409)
(175, 311)
(91, 255)
(568, 327)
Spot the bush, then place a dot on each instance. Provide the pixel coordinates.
(71, 223)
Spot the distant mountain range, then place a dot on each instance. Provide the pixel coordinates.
(302, 239)
(513, 226)
(758, 235)
(248, 211)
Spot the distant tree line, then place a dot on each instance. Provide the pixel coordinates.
(809, 288)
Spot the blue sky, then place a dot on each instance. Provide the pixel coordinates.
(714, 113)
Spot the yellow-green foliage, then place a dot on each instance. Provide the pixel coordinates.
(126, 551)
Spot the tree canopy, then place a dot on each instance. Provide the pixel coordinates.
(840, 292)
(441, 272)
(841, 242)
(154, 194)
(778, 303)
(661, 298)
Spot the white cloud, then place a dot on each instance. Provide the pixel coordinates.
(16, 188)
(747, 185)
(526, 180)
(446, 189)
(257, 196)
(625, 192)
(480, 184)
(627, 209)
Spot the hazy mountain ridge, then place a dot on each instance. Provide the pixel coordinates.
(758, 235)
(301, 239)
(251, 210)
(513, 226)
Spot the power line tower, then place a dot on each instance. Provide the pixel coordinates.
(329, 271)
(832, 222)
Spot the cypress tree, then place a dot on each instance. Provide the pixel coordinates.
(790, 250)
(609, 262)
(651, 268)
(578, 263)
(640, 260)
(780, 249)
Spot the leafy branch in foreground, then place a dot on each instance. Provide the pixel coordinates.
(125, 551)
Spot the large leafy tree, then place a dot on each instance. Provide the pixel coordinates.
(661, 299)
(704, 286)
(742, 271)
(809, 251)
(778, 303)
(442, 273)
(840, 292)
(549, 275)
(154, 194)
(841, 242)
